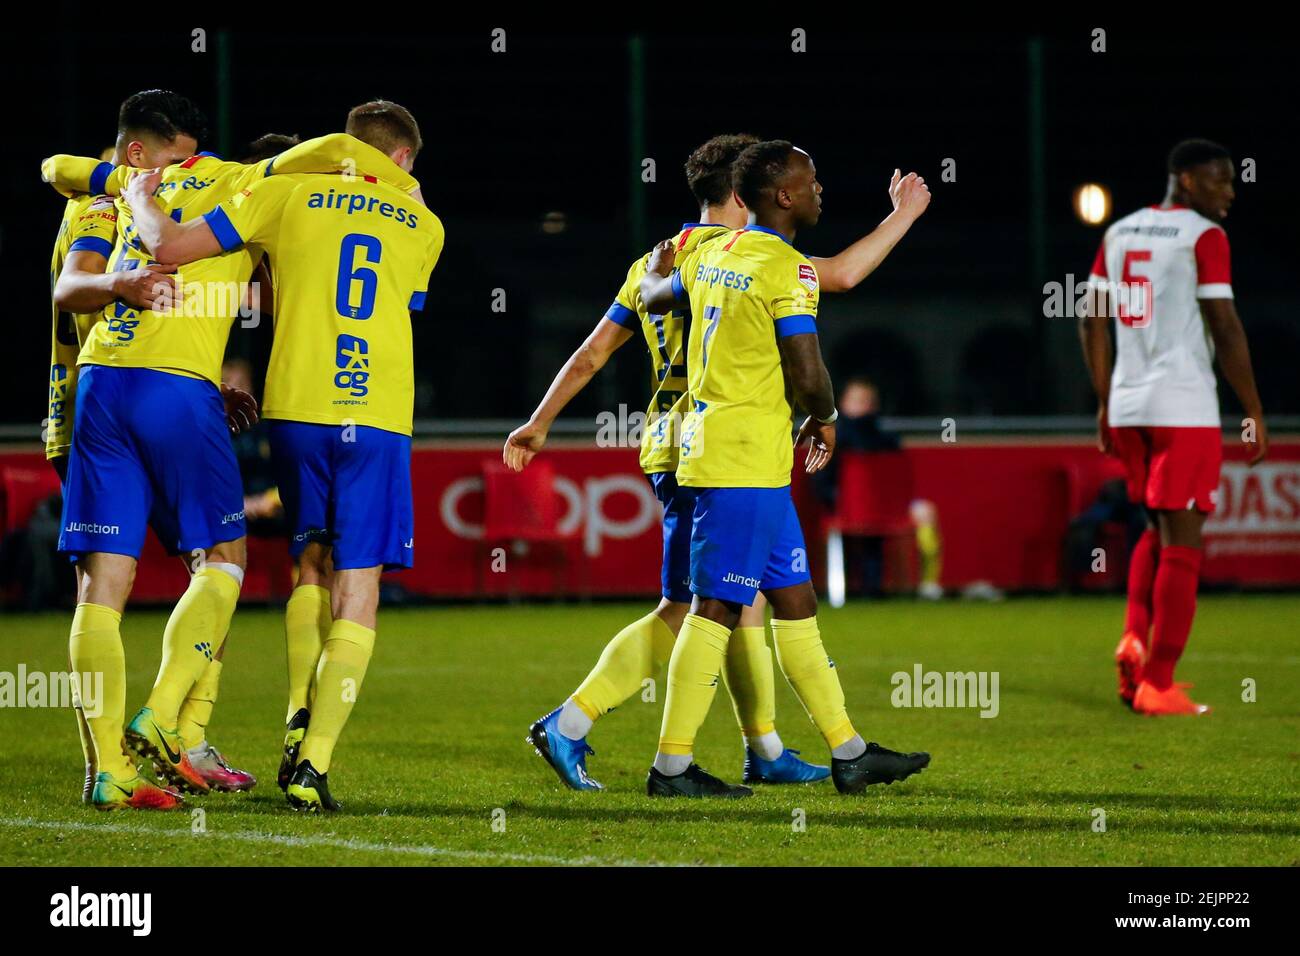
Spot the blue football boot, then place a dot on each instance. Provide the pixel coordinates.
(787, 768)
(568, 758)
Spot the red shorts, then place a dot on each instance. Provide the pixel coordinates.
(1171, 468)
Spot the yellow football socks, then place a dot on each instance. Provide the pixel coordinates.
(197, 709)
(194, 634)
(811, 673)
(307, 623)
(751, 681)
(633, 655)
(693, 672)
(95, 650)
(343, 663)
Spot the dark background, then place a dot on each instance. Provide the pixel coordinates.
(952, 324)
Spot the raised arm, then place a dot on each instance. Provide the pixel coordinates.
(1233, 353)
(839, 273)
(806, 375)
(77, 175)
(341, 152)
(527, 440)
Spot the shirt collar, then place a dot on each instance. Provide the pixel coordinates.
(771, 232)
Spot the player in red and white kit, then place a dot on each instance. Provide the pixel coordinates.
(1164, 273)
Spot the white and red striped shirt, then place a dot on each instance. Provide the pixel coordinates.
(1158, 263)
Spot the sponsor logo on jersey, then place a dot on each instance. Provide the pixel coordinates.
(352, 357)
(360, 202)
(807, 276)
(727, 278)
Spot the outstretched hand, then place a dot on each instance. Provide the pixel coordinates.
(909, 194)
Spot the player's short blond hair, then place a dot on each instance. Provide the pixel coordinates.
(385, 125)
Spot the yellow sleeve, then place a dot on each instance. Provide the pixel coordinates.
(435, 251)
(76, 175)
(339, 152)
(95, 229)
(791, 288)
(430, 261)
(251, 216)
(625, 309)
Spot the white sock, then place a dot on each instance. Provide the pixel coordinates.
(850, 749)
(768, 746)
(234, 570)
(670, 765)
(574, 724)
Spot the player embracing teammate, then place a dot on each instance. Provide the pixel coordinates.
(350, 260)
(1164, 273)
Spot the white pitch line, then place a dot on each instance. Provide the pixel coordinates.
(253, 836)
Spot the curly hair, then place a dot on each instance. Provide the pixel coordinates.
(708, 169)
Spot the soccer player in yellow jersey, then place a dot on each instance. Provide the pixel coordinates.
(641, 648)
(150, 446)
(155, 127)
(350, 259)
(753, 301)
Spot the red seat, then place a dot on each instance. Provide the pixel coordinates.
(874, 494)
(24, 489)
(522, 509)
(520, 506)
(873, 500)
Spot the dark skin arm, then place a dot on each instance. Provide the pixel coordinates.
(657, 283)
(810, 383)
(1094, 339)
(1233, 353)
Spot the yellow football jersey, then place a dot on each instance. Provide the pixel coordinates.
(192, 339)
(665, 338)
(350, 260)
(746, 289)
(89, 223)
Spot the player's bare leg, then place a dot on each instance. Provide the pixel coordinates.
(95, 650)
(354, 599)
(854, 763)
(1174, 602)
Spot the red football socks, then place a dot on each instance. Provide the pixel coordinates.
(1174, 601)
(1141, 580)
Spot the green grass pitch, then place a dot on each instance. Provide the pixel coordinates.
(435, 751)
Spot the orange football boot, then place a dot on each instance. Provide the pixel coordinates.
(1129, 656)
(1170, 702)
